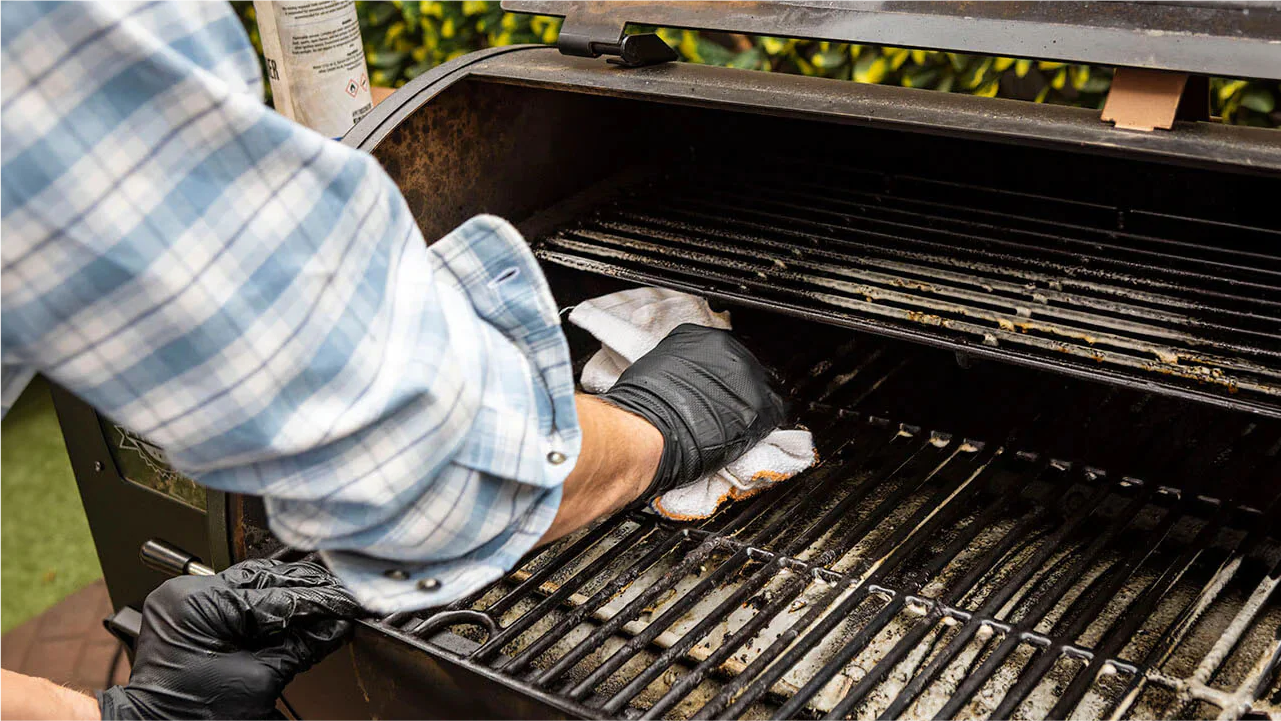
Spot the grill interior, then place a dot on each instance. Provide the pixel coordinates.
(1137, 297)
(1073, 550)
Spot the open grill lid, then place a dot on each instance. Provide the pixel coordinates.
(1234, 39)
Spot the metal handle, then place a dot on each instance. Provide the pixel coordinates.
(167, 558)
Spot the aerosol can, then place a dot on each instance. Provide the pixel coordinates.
(315, 61)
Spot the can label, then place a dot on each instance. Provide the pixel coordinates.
(315, 63)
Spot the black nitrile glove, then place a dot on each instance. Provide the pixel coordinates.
(707, 394)
(224, 646)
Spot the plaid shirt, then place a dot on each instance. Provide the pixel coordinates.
(257, 300)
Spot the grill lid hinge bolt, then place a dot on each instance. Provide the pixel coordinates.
(590, 33)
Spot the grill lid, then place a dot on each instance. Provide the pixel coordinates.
(1235, 39)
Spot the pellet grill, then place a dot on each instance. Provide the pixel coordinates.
(1040, 353)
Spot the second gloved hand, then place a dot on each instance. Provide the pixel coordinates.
(708, 396)
(224, 646)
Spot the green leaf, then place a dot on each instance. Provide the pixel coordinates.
(713, 53)
(920, 77)
(384, 59)
(749, 59)
(1259, 100)
(1097, 84)
(827, 59)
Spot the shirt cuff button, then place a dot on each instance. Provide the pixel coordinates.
(428, 584)
(556, 458)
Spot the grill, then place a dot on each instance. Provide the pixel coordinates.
(935, 564)
(1041, 357)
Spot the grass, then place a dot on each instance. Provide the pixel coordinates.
(46, 550)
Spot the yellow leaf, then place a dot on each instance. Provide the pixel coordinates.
(689, 44)
(456, 53)
(1080, 76)
(509, 21)
(989, 89)
(1049, 65)
(1060, 79)
(1021, 67)
(419, 53)
(474, 7)
(395, 30)
(1041, 96)
(1002, 64)
(824, 46)
(897, 57)
(549, 34)
(919, 57)
(773, 46)
(874, 73)
(1230, 88)
(447, 28)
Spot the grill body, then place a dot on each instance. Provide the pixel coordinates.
(1055, 553)
(1040, 357)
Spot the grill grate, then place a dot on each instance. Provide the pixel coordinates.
(970, 565)
(1190, 306)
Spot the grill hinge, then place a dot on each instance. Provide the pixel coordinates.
(1142, 99)
(590, 35)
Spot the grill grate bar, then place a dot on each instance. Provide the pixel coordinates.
(558, 562)
(1004, 284)
(1044, 659)
(926, 449)
(989, 235)
(608, 591)
(783, 597)
(720, 276)
(980, 266)
(888, 239)
(942, 608)
(906, 539)
(1123, 630)
(951, 300)
(839, 188)
(495, 644)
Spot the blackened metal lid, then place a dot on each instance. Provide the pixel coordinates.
(1234, 39)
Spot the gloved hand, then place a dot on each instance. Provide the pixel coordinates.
(224, 646)
(707, 394)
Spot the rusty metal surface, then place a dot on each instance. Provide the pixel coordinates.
(906, 109)
(1230, 39)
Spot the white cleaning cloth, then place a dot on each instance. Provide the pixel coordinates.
(629, 324)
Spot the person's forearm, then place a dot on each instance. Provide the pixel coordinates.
(619, 457)
(28, 697)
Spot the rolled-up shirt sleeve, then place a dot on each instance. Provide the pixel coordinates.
(258, 301)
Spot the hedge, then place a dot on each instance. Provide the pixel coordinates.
(405, 39)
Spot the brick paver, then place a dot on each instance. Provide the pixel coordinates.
(67, 644)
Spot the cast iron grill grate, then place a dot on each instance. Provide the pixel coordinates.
(1184, 305)
(1075, 550)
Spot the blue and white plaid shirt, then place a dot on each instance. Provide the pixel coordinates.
(257, 300)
